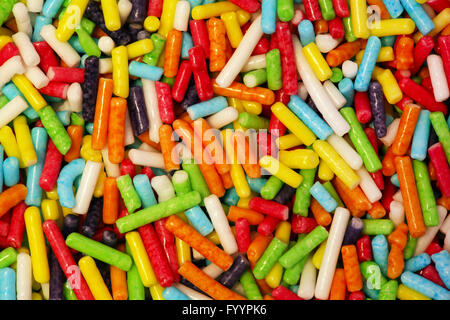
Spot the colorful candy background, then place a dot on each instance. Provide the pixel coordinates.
(225, 150)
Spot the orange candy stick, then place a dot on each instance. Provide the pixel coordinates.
(377, 211)
(116, 129)
(444, 201)
(353, 277)
(431, 172)
(387, 164)
(344, 52)
(410, 196)
(185, 117)
(226, 180)
(405, 130)
(167, 145)
(253, 217)
(119, 286)
(338, 286)
(404, 53)
(210, 143)
(11, 197)
(245, 155)
(76, 135)
(144, 137)
(397, 240)
(207, 284)
(242, 92)
(256, 248)
(100, 129)
(172, 53)
(110, 201)
(217, 44)
(355, 200)
(322, 217)
(193, 238)
(320, 26)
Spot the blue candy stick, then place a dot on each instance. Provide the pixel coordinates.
(424, 286)
(394, 7)
(418, 15)
(39, 138)
(207, 108)
(7, 284)
(143, 70)
(172, 293)
(418, 262)
(442, 263)
(380, 252)
(323, 197)
(306, 32)
(144, 190)
(419, 144)
(268, 16)
(11, 171)
(66, 180)
(367, 64)
(345, 87)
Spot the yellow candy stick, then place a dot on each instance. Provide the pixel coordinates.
(30, 93)
(139, 48)
(9, 143)
(167, 16)
(281, 171)
(50, 209)
(209, 10)
(405, 293)
(392, 27)
(111, 13)
(23, 135)
(391, 89)
(324, 172)
(288, 141)
(299, 158)
(37, 246)
(243, 16)
(156, 292)
(233, 28)
(4, 40)
(70, 19)
(120, 71)
(318, 255)
(385, 54)
(283, 231)
(317, 61)
(293, 123)
(252, 107)
(440, 22)
(358, 11)
(245, 202)
(336, 163)
(94, 279)
(274, 276)
(141, 259)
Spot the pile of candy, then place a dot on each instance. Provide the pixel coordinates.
(178, 150)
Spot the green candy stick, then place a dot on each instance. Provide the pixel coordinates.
(255, 78)
(158, 211)
(426, 195)
(285, 10)
(326, 7)
(3, 100)
(169, 81)
(55, 129)
(152, 57)
(410, 247)
(87, 43)
(181, 183)
(292, 275)
(270, 256)
(6, 9)
(136, 289)
(7, 257)
(68, 292)
(250, 286)
(99, 251)
(128, 192)
(388, 290)
(198, 183)
(252, 121)
(348, 28)
(303, 247)
(441, 127)
(360, 141)
(302, 194)
(374, 227)
(271, 188)
(273, 70)
(372, 273)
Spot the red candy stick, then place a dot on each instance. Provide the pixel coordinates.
(430, 273)
(242, 234)
(276, 127)
(402, 103)
(267, 226)
(127, 167)
(149, 172)
(438, 5)
(155, 8)
(388, 194)
(288, 66)
(8, 51)
(357, 295)
(52, 166)
(283, 293)
(66, 261)
(17, 226)
(200, 36)
(362, 107)
(261, 47)
(271, 208)
(45, 52)
(426, 83)
(200, 73)
(4, 228)
(299, 16)
(439, 162)
(336, 28)
(312, 10)
(181, 81)
(165, 103)
(376, 176)
(341, 8)
(56, 89)
(421, 95)
(364, 248)
(302, 224)
(444, 44)
(69, 75)
(421, 52)
(433, 248)
(167, 241)
(157, 256)
(267, 145)
(247, 5)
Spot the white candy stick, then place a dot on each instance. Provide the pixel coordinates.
(27, 51)
(220, 223)
(163, 187)
(345, 150)
(11, 110)
(106, 44)
(182, 13)
(85, 191)
(23, 22)
(191, 293)
(24, 277)
(331, 254)
(212, 270)
(241, 54)
(129, 134)
(255, 62)
(147, 159)
(438, 78)
(125, 7)
(445, 227)
(396, 212)
(112, 169)
(75, 97)
(307, 284)
(318, 94)
(151, 103)
(105, 65)
(334, 93)
(35, 5)
(368, 186)
(12, 66)
(37, 77)
(222, 118)
(391, 132)
(424, 241)
(62, 49)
